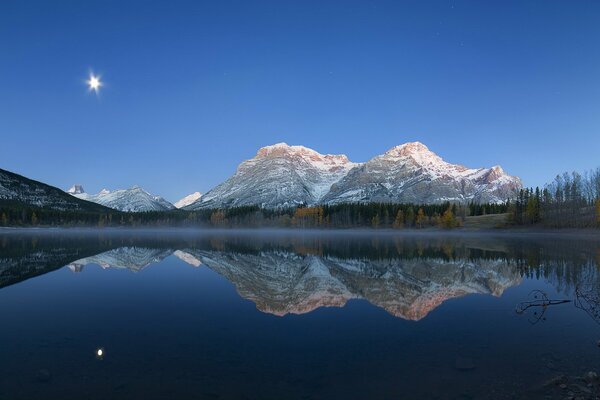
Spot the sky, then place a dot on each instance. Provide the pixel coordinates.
(191, 89)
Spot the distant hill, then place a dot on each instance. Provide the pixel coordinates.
(19, 190)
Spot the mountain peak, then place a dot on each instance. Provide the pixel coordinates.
(76, 189)
(408, 149)
(187, 200)
(419, 153)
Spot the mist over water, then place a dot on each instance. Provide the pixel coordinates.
(289, 314)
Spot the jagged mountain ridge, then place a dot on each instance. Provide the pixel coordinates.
(282, 176)
(134, 199)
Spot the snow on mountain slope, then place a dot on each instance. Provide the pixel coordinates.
(278, 176)
(411, 173)
(134, 199)
(187, 200)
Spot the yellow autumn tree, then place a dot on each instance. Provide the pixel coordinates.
(308, 216)
(421, 218)
(448, 219)
(399, 221)
(217, 218)
(34, 219)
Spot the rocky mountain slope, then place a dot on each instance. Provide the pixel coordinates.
(278, 176)
(411, 173)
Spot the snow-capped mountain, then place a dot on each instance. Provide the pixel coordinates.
(278, 176)
(281, 176)
(187, 200)
(76, 189)
(15, 188)
(411, 173)
(134, 199)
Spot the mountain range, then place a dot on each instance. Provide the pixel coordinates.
(284, 176)
(134, 199)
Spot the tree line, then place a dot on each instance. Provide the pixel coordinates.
(571, 200)
(351, 215)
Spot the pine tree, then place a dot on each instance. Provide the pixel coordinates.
(375, 221)
(410, 217)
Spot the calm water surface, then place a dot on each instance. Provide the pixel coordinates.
(288, 315)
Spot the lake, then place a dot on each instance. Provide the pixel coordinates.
(298, 315)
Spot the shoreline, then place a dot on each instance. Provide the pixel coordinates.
(512, 231)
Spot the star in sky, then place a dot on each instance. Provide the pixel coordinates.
(94, 83)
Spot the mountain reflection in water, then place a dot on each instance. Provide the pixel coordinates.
(296, 274)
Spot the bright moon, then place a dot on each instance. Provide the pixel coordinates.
(100, 352)
(94, 83)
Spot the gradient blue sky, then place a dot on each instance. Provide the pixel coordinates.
(193, 88)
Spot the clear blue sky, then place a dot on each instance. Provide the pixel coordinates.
(193, 88)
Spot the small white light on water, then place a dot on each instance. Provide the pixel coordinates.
(100, 352)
